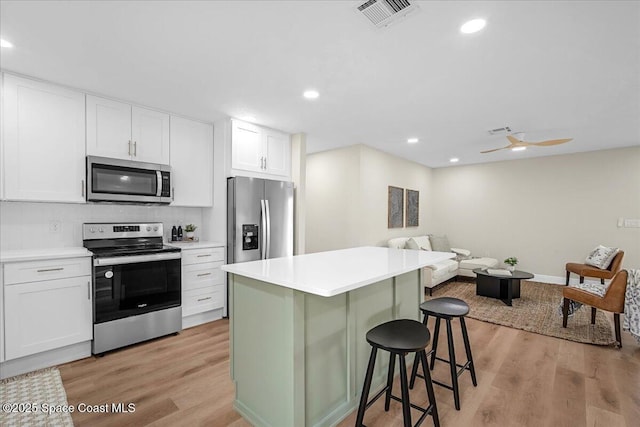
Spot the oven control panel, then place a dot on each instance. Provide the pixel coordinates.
(123, 228)
(91, 231)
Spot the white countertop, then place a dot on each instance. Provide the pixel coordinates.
(335, 272)
(185, 244)
(46, 253)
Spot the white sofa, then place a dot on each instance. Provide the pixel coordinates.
(433, 275)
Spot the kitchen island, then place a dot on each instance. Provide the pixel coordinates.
(298, 325)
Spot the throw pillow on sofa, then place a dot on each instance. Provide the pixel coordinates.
(440, 243)
(601, 257)
(419, 242)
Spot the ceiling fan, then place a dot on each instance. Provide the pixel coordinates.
(516, 143)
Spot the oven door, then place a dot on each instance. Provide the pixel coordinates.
(131, 285)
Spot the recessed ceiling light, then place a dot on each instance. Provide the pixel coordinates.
(454, 159)
(473, 26)
(5, 43)
(311, 94)
(518, 148)
(412, 140)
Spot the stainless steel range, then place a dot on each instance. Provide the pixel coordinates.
(136, 284)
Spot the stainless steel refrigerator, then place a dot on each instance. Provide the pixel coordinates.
(259, 219)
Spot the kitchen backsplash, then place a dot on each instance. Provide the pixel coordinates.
(49, 225)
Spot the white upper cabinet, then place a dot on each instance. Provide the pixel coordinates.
(191, 162)
(264, 152)
(43, 141)
(246, 146)
(119, 130)
(277, 153)
(150, 135)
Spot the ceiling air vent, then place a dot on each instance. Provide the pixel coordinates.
(500, 131)
(383, 12)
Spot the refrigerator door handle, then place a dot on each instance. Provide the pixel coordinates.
(268, 251)
(263, 218)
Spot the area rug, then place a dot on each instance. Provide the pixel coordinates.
(535, 311)
(27, 399)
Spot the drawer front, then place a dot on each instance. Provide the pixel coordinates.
(198, 256)
(201, 300)
(35, 271)
(202, 275)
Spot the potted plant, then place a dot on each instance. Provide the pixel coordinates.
(511, 262)
(190, 230)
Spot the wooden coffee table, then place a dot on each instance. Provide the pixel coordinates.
(504, 288)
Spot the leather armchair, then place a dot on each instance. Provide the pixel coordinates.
(584, 270)
(612, 300)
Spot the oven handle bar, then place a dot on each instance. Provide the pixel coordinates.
(135, 259)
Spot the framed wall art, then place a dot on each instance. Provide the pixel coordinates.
(396, 207)
(413, 208)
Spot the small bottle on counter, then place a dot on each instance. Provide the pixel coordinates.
(174, 233)
(179, 232)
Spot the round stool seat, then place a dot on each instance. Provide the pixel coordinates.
(403, 335)
(445, 306)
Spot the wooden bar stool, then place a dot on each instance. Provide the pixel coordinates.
(447, 308)
(398, 337)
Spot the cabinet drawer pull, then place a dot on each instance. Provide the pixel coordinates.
(203, 299)
(50, 269)
(201, 256)
(204, 274)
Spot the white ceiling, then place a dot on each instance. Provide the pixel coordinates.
(549, 69)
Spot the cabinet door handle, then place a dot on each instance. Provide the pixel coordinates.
(44, 270)
(265, 163)
(82, 188)
(204, 274)
(88, 290)
(173, 193)
(203, 299)
(129, 151)
(135, 148)
(204, 255)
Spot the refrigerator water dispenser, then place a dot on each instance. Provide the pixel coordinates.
(249, 237)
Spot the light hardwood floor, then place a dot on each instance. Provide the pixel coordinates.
(524, 379)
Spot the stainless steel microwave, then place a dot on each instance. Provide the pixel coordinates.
(125, 181)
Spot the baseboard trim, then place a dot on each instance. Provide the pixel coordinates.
(554, 280)
(45, 359)
(200, 318)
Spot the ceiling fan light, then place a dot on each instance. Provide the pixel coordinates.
(518, 148)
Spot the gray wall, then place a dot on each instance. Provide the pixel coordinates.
(546, 211)
(347, 197)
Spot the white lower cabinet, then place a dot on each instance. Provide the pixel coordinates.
(47, 305)
(202, 280)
